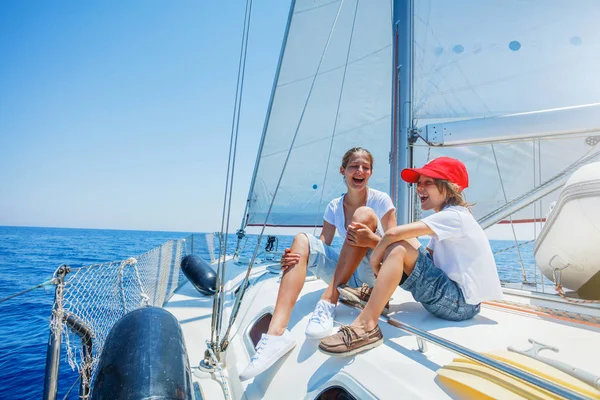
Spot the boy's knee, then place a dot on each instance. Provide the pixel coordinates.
(397, 249)
(365, 215)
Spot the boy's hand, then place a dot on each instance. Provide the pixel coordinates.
(289, 259)
(360, 235)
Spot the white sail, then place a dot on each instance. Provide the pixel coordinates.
(333, 90)
(312, 98)
(497, 58)
(478, 59)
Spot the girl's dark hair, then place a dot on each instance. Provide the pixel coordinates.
(454, 196)
(354, 150)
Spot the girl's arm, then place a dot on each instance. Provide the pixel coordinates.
(289, 259)
(388, 221)
(396, 234)
(327, 233)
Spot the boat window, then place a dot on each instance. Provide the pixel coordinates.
(259, 327)
(335, 393)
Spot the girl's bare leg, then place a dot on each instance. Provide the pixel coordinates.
(292, 282)
(400, 257)
(350, 256)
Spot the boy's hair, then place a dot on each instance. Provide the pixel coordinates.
(352, 151)
(454, 196)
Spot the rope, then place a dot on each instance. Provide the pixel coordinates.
(52, 281)
(145, 298)
(559, 289)
(556, 273)
(97, 296)
(217, 365)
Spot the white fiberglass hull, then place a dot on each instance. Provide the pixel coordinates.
(396, 368)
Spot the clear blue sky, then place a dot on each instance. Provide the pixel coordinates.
(118, 114)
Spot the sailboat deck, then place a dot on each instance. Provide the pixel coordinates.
(395, 367)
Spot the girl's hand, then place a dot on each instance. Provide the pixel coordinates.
(360, 235)
(289, 259)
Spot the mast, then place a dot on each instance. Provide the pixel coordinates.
(401, 156)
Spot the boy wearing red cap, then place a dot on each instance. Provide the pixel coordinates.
(450, 277)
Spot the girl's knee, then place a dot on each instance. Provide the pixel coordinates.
(301, 244)
(365, 215)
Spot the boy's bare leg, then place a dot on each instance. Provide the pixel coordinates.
(400, 257)
(350, 256)
(292, 282)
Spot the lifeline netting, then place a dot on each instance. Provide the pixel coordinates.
(97, 296)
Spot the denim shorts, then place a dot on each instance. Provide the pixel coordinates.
(439, 294)
(322, 261)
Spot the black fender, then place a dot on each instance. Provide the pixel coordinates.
(144, 357)
(200, 274)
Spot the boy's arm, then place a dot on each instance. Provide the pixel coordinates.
(407, 231)
(398, 233)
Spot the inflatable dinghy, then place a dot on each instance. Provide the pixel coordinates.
(568, 247)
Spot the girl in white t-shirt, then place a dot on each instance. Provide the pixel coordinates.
(450, 277)
(360, 216)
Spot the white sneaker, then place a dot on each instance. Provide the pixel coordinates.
(268, 351)
(320, 323)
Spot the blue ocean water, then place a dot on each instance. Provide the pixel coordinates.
(29, 256)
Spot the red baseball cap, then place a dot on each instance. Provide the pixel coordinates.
(447, 168)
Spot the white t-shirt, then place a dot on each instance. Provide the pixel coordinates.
(380, 202)
(462, 250)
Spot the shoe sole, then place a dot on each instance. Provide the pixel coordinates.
(319, 336)
(276, 357)
(355, 351)
(351, 297)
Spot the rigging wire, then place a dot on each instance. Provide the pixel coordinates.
(218, 297)
(224, 343)
(510, 216)
(535, 266)
(539, 160)
(514, 246)
(49, 282)
(71, 388)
